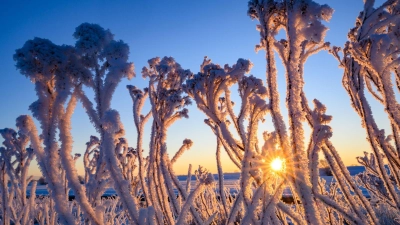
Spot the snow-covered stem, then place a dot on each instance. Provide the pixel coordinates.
(15, 158)
(251, 209)
(346, 192)
(166, 98)
(189, 178)
(186, 145)
(154, 194)
(221, 180)
(294, 87)
(30, 208)
(293, 215)
(27, 127)
(204, 179)
(189, 201)
(235, 208)
(270, 200)
(370, 58)
(138, 98)
(302, 23)
(164, 164)
(104, 61)
(346, 175)
(210, 219)
(342, 211)
(183, 193)
(114, 130)
(67, 162)
(4, 194)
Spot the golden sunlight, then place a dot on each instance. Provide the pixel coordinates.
(277, 164)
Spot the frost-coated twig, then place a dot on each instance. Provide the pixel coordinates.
(68, 162)
(5, 198)
(26, 126)
(370, 57)
(114, 129)
(221, 180)
(138, 98)
(343, 212)
(189, 201)
(30, 209)
(336, 171)
(183, 193)
(235, 208)
(189, 178)
(351, 183)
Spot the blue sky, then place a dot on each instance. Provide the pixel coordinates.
(187, 31)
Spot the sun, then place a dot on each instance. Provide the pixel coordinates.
(277, 164)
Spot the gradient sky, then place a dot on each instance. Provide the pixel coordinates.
(187, 31)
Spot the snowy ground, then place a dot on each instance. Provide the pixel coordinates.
(231, 181)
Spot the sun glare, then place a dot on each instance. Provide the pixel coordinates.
(277, 164)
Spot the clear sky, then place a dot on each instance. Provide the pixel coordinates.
(187, 31)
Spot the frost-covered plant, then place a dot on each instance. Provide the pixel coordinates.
(371, 62)
(54, 70)
(15, 159)
(59, 73)
(168, 104)
(45, 211)
(107, 61)
(301, 20)
(207, 88)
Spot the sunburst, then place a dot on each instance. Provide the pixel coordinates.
(277, 164)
